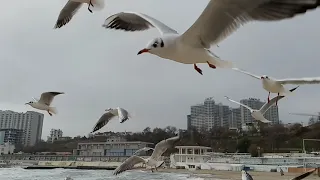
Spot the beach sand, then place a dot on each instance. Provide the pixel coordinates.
(236, 175)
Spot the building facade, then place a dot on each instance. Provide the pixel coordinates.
(272, 114)
(7, 148)
(113, 147)
(30, 123)
(235, 118)
(210, 114)
(55, 134)
(13, 136)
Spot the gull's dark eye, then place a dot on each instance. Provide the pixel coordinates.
(155, 44)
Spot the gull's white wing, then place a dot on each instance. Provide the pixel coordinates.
(266, 106)
(162, 146)
(67, 12)
(104, 119)
(238, 103)
(304, 175)
(47, 97)
(305, 114)
(143, 149)
(220, 18)
(133, 21)
(128, 164)
(311, 80)
(122, 114)
(247, 73)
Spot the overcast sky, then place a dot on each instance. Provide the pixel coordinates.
(99, 68)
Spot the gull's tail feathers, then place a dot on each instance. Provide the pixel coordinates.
(53, 110)
(265, 121)
(288, 92)
(98, 5)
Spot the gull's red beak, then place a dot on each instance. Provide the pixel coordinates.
(143, 51)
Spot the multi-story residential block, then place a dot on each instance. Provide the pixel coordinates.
(30, 122)
(55, 134)
(13, 136)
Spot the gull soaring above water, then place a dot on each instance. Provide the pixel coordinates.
(218, 20)
(246, 176)
(258, 114)
(71, 8)
(45, 102)
(110, 113)
(153, 160)
(276, 85)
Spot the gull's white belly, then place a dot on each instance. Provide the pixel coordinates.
(272, 86)
(257, 115)
(40, 106)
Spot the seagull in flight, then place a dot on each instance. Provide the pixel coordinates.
(45, 102)
(258, 114)
(153, 160)
(71, 8)
(277, 85)
(218, 20)
(110, 113)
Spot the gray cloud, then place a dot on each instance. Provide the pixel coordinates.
(99, 68)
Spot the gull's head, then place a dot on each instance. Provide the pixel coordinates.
(243, 172)
(29, 103)
(154, 46)
(264, 77)
(108, 109)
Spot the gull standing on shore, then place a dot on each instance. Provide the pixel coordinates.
(219, 19)
(153, 160)
(110, 113)
(277, 85)
(45, 102)
(258, 114)
(71, 8)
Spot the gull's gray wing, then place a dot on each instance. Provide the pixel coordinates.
(304, 175)
(248, 176)
(133, 21)
(67, 12)
(143, 149)
(221, 18)
(163, 145)
(238, 103)
(247, 73)
(266, 106)
(47, 97)
(104, 119)
(128, 164)
(311, 80)
(122, 114)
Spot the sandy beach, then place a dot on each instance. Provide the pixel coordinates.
(236, 175)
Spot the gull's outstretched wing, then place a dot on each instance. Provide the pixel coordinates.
(123, 115)
(311, 80)
(128, 164)
(47, 97)
(221, 18)
(104, 119)
(247, 73)
(238, 103)
(134, 21)
(304, 175)
(143, 149)
(67, 12)
(162, 146)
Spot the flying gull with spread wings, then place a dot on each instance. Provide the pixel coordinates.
(258, 114)
(219, 19)
(45, 102)
(72, 7)
(110, 114)
(153, 161)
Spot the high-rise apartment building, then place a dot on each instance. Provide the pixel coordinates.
(209, 114)
(12, 136)
(235, 118)
(272, 114)
(55, 134)
(30, 122)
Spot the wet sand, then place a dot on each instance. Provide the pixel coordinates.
(236, 175)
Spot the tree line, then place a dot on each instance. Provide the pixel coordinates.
(263, 138)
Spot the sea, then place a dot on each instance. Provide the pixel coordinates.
(60, 174)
